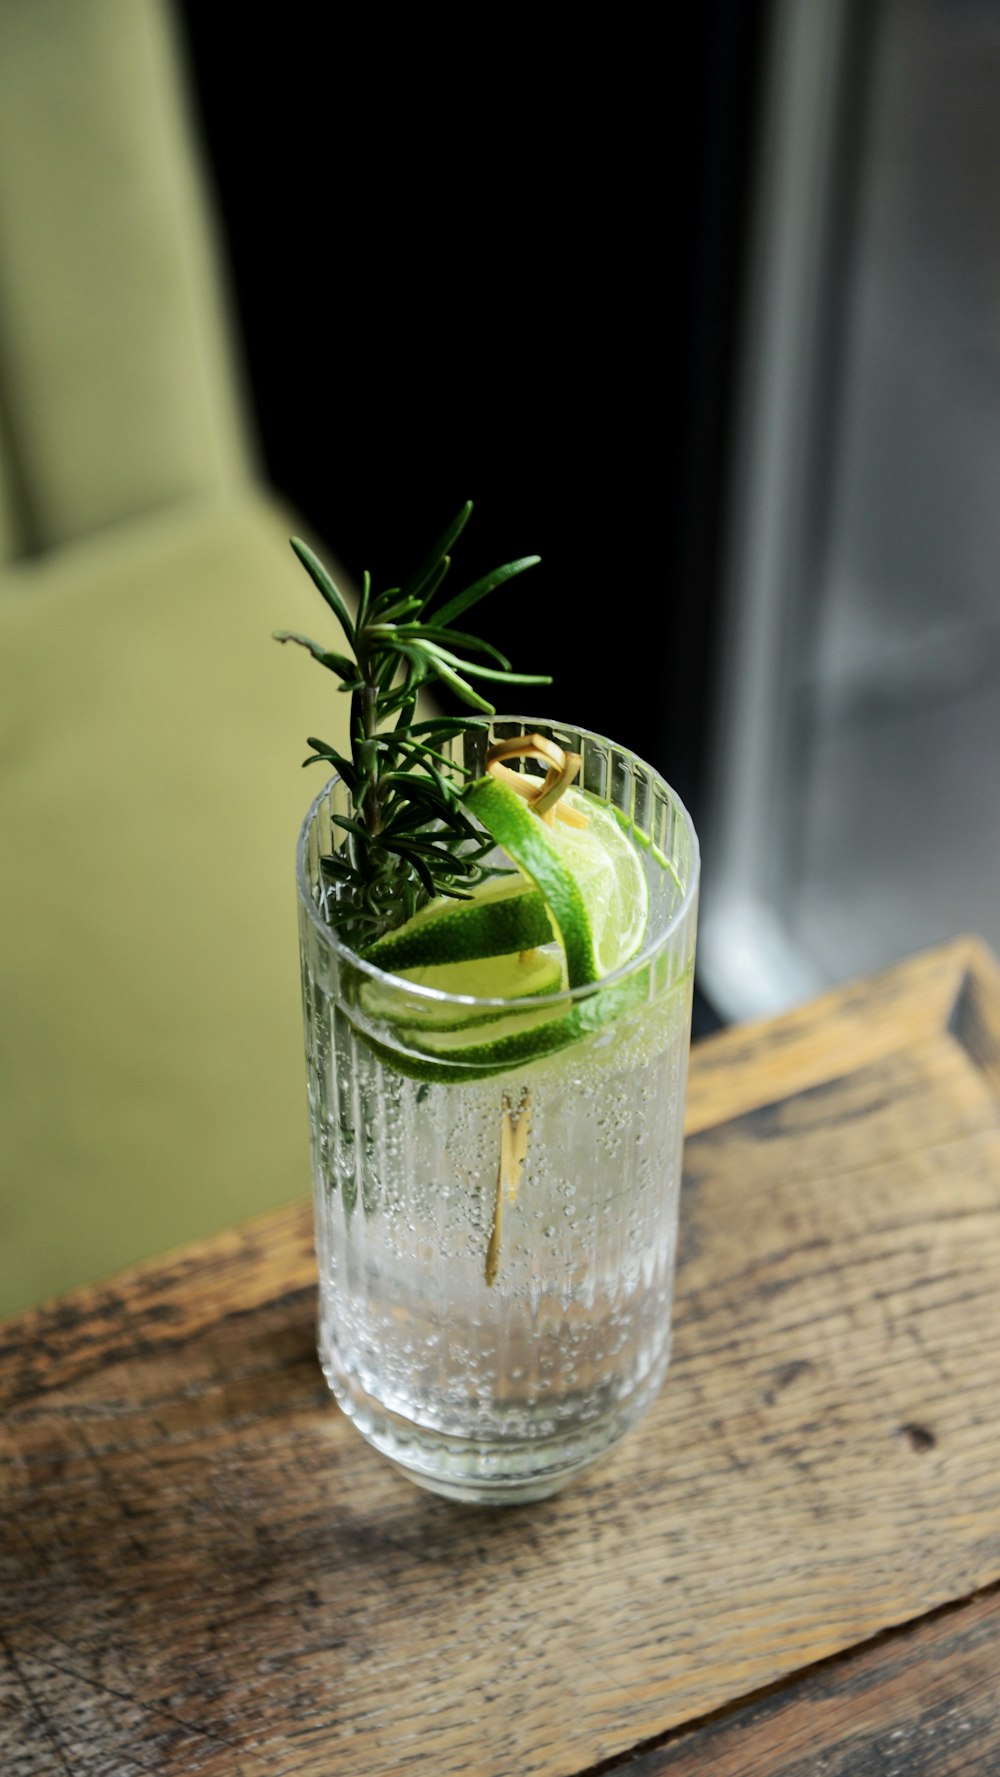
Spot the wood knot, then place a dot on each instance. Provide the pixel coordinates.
(919, 1437)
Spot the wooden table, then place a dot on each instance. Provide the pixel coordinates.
(792, 1566)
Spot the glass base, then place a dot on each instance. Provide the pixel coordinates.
(488, 1472)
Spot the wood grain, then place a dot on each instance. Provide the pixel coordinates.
(205, 1570)
(159, 1305)
(955, 984)
(922, 1703)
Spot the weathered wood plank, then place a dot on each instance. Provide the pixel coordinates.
(204, 1570)
(848, 1028)
(158, 1305)
(920, 1703)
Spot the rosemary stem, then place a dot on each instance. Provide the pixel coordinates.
(369, 719)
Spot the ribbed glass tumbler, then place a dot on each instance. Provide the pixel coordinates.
(496, 1248)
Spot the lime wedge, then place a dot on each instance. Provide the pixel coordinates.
(520, 976)
(502, 915)
(591, 877)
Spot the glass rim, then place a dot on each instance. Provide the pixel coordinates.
(563, 996)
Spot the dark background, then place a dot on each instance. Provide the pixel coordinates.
(476, 261)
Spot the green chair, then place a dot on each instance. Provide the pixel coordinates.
(151, 1082)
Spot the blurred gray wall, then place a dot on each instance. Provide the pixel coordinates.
(855, 814)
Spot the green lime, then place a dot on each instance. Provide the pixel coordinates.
(479, 1052)
(609, 873)
(589, 884)
(502, 915)
(591, 877)
(511, 977)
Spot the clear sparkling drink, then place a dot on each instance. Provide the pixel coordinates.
(496, 1254)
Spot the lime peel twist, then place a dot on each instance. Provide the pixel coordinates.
(520, 832)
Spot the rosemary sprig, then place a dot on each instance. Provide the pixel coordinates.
(407, 837)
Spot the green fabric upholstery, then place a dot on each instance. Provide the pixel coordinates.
(117, 393)
(152, 1087)
(151, 1078)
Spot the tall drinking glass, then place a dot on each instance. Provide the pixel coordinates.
(496, 1243)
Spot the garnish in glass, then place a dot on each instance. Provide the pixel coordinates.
(407, 840)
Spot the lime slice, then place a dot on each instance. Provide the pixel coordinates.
(502, 915)
(479, 1052)
(520, 976)
(591, 877)
(609, 873)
